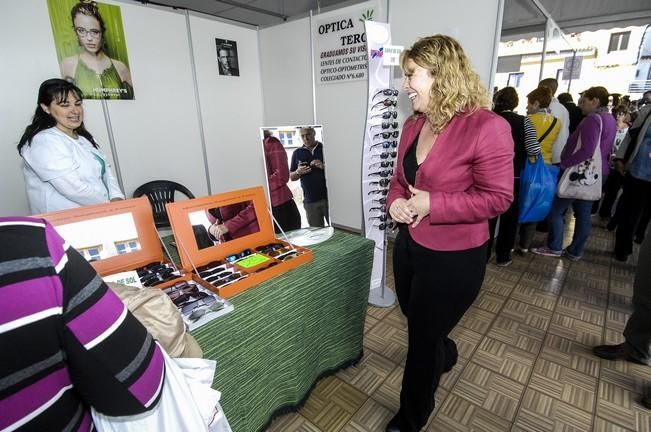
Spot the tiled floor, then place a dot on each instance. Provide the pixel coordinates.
(525, 361)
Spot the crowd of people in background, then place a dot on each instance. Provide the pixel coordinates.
(567, 134)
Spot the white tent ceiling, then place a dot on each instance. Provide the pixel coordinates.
(521, 17)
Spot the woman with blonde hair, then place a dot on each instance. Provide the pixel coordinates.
(454, 172)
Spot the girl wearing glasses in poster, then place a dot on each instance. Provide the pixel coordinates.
(95, 73)
(454, 172)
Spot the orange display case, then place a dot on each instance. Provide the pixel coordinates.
(184, 214)
(106, 226)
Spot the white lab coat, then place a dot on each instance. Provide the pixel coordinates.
(62, 172)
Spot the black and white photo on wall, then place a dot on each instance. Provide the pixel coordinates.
(227, 57)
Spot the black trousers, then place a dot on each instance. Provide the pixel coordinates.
(636, 196)
(287, 216)
(508, 229)
(434, 288)
(611, 189)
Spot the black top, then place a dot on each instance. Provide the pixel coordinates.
(313, 183)
(410, 163)
(516, 121)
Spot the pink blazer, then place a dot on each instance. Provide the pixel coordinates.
(469, 175)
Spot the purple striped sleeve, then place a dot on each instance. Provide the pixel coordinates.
(99, 318)
(30, 297)
(147, 387)
(41, 394)
(55, 244)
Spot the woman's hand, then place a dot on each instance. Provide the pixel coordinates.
(218, 230)
(419, 204)
(401, 212)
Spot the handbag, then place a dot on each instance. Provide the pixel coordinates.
(583, 181)
(537, 191)
(187, 403)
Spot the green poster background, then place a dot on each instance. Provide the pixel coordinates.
(65, 38)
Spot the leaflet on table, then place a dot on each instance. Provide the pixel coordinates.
(196, 304)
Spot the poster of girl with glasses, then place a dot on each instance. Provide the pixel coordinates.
(91, 48)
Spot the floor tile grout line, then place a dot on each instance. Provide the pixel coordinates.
(542, 345)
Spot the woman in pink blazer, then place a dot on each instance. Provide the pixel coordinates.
(454, 172)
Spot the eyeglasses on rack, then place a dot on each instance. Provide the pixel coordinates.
(382, 182)
(383, 209)
(384, 173)
(381, 218)
(386, 92)
(386, 144)
(378, 191)
(382, 200)
(184, 300)
(386, 225)
(201, 310)
(229, 279)
(385, 125)
(386, 115)
(386, 155)
(382, 164)
(204, 301)
(384, 104)
(387, 135)
(239, 255)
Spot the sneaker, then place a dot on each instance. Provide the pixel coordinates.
(545, 251)
(571, 257)
(615, 352)
(521, 250)
(611, 225)
(504, 263)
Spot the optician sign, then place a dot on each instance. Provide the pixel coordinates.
(340, 47)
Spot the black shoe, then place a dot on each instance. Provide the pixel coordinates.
(614, 352)
(612, 225)
(621, 257)
(646, 401)
(638, 240)
(394, 424)
(451, 354)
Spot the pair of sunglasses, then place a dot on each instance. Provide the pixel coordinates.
(215, 277)
(382, 164)
(383, 209)
(229, 279)
(237, 256)
(386, 92)
(382, 200)
(273, 263)
(269, 247)
(190, 290)
(386, 225)
(382, 182)
(387, 115)
(384, 173)
(151, 269)
(207, 300)
(381, 218)
(385, 125)
(186, 299)
(387, 135)
(202, 310)
(386, 103)
(386, 155)
(210, 266)
(289, 255)
(386, 144)
(378, 191)
(213, 271)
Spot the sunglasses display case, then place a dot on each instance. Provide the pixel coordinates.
(116, 237)
(227, 242)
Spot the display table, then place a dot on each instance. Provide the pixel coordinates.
(286, 333)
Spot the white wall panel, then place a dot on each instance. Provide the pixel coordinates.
(287, 74)
(231, 106)
(157, 135)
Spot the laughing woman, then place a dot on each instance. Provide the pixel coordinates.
(63, 165)
(454, 173)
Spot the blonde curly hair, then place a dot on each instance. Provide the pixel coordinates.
(456, 89)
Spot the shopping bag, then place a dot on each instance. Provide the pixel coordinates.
(177, 409)
(537, 190)
(583, 181)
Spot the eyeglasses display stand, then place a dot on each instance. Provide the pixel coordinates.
(227, 242)
(378, 157)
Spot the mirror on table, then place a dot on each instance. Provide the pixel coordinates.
(296, 180)
(213, 226)
(103, 237)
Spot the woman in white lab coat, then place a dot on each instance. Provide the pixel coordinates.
(63, 167)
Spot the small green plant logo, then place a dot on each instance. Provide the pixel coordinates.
(367, 16)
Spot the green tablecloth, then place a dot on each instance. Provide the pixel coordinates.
(287, 332)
